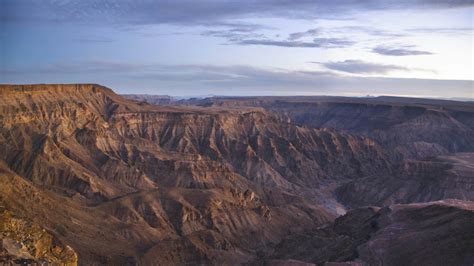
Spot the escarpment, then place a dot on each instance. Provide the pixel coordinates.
(126, 182)
(415, 128)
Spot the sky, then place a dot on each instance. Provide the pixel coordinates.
(419, 48)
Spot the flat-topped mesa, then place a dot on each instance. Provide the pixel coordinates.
(56, 102)
(53, 88)
(102, 100)
(65, 101)
(82, 104)
(37, 94)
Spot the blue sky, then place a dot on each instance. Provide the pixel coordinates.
(268, 47)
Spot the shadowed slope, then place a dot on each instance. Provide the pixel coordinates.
(435, 233)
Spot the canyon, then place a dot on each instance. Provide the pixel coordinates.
(145, 180)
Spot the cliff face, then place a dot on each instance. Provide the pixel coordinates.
(415, 128)
(122, 181)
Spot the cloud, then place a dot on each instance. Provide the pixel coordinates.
(361, 67)
(235, 34)
(250, 36)
(198, 12)
(316, 43)
(399, 51)
(299, 35)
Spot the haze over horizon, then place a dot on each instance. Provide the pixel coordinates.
(418, 48)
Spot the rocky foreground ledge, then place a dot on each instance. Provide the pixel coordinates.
(24, 242)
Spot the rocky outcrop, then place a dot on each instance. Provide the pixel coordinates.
(25, 242)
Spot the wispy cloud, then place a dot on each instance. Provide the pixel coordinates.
(399, 51)
(234, 34)
(251, 36)
(361, 67)
(299, 35)
(315, 43)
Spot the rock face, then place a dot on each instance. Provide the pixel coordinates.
(127, 182)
